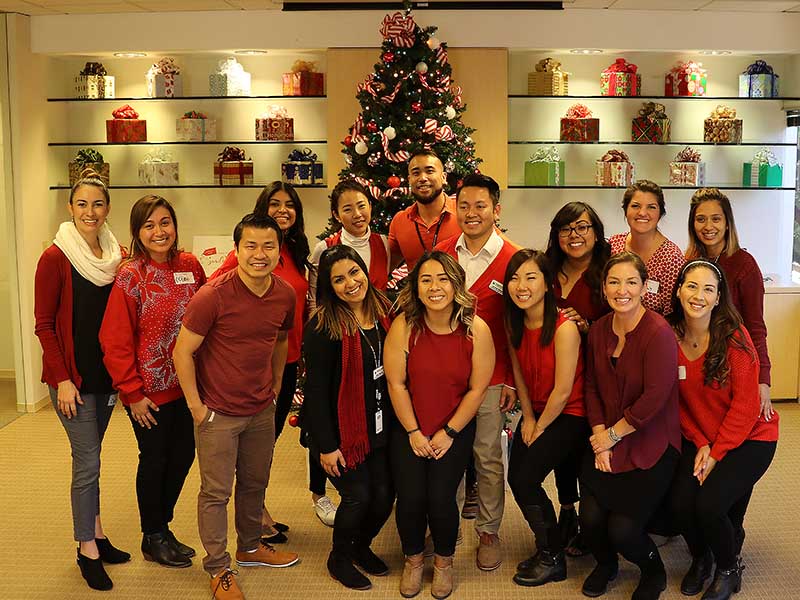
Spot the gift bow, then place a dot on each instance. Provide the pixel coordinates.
(193, 114)
(548, 65)
(653, 110)
(159, 155)
(615, 156)
(723, 112)
(87, 156)
(398, 29)
(164, 66)
(304, 66)
(579, 111)
(125, 112)
(546, 154)
(765, 156)
(688, 154)
(230, 66)
(93, 68)
(760, 67)
(688, 67)
(621, 66)
(304, 155)
(275, 111)
(231, 153)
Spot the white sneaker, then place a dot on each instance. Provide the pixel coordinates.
(326, 510)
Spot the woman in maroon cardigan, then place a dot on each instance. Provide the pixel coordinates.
(712, 235)
(632, 407)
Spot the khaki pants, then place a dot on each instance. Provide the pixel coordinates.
(228, 447)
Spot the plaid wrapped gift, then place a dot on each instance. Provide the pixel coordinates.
(686, 79)
(158, 168)
(620, 79)
(758, 81)
(232, 168)
(763, 171)
(579, 126)
(275, 124)
(687, 169)
(302, 168)
(548, 79)
(614, 169)
(195, 126)
(722, 127)
(93, 82)
(88, 158)
(545, 168)
(164, 79)
(652, 125)
(230, 79)
(126, 126)
(303, 80)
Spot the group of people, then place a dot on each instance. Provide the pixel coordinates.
(641, 373)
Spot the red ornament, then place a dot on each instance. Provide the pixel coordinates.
(294, 420)
(460, 183)
(388, 57)
(416, 107)
(393, 181)
(372, 127)
(348, 140)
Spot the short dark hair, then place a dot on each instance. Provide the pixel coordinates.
(426, 152)
(256, 221)
(646, 186)
(348, 185)
(481, 181)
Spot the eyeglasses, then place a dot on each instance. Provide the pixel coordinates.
(581, 229)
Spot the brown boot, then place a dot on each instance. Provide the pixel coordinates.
(224, 587)
(411, 580)
(442, 585)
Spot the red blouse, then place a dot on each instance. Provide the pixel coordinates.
(582, 299)
(538, 367)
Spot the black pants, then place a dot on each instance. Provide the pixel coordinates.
(367, 497)
(426, 491)
(166, 453)
(711, 515)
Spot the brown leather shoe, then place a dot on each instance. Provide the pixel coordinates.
(266, 556)
(488, 558)
(224, 586)
(442, 585)
(411, 580)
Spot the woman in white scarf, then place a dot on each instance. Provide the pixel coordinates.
(73, 281)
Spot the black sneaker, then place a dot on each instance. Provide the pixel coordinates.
(365, 558)
(596, 584)
(342, 570)
(109, 554)
(94, 573)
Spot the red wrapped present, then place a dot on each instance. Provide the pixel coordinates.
(686, 79)
(579, 126)
(303, 80)
(620, 79)
(126, 126)
(233, 168)
(614, 169)
(652, 125)
(275, 124)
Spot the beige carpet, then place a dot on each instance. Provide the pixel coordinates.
(39, 556)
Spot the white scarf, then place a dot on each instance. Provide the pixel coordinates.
(100, 271)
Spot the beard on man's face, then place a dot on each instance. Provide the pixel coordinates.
(435, 193)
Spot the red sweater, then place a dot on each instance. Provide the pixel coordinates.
(489, 306)
(289, 272)
(141, 325)
(378, 258)
(747, 294)
(723, 416)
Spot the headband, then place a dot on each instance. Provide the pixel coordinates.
(701, 261)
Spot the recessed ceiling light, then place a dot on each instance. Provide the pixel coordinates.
(250, 52)
(715, 52)
(586, 51)
(129, 54)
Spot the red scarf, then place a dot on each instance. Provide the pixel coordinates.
(378, 259)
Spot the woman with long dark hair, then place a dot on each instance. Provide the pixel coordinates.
(73, 280)
(348, 411)
(728, 443)
(140, 327)
(551, 436)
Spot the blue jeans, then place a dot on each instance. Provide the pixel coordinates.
(85, 432)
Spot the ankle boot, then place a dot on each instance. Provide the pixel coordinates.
(698, 572)
(342, 570)
(181, 548)
(549, 564)
(365, 558)
(525, 565)
(156, 547)
(726, 583)
(109, 554)
(548, 567)
(567, 525)
(596, 584)
(411, 579)
(442, 585)
(94, 573)
(653, 580)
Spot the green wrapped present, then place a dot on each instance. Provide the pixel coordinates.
(763, 171)
(545, 168)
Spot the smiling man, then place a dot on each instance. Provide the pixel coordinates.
(229, 357)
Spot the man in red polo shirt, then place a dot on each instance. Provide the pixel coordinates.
(229, 358)
(430, 220)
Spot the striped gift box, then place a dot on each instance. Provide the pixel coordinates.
(233, 172)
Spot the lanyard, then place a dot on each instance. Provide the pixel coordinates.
(435, 234)
(376, 358)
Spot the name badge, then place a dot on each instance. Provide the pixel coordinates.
(652, 286)
(112, 399)
(379, 421)
(496, 287)
(183, 278)
(681, 372)
(377, 373)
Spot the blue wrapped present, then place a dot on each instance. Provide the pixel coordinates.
(758, 81)
(301, 168)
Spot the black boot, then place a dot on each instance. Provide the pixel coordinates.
(181, 548)
(567, 525)
(341, 568)
(156, 547)
(597, 582)
(528, 562)
(109, 554)
(94, 573)
(550, 564)
(726, 583)
(365, 558)
(548, 567)
(653, 580)
(698, 572)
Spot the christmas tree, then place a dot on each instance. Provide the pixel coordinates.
(409, 103)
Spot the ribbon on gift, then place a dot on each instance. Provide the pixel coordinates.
(164, 66)
(304, 66)
(230, 67)
(546, 154)
(548, 65)
(398, 29)
(760, 67)
(653, 111)
(93, 68)
(688, 154)
(275, 111)
(615, 156)
(304, 155)
(159, 155)
(231, 153)
(688, 67)
(621, 66)
(125, 112)
(765, 156)
(723, 112)
(88, 156)
(579, 111)
(193, 114)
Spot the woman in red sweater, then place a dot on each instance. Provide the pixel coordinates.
(712, 235)
(728, 443)
(73, 280)
(139, 330)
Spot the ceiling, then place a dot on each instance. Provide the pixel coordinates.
(56, 7)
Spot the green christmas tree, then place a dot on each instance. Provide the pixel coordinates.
(409, 103)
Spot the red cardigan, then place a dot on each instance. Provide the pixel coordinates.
(723, 416)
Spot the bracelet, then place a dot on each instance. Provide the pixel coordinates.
(613, 435)
(451, 433)
(412, 431)
(511, 387)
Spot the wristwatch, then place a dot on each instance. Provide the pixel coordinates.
(613, 435)
(452, 433)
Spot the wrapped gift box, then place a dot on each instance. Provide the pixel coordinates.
(544, 173)
(722, 127)
(652, 125)
(233, 172)
(158, 173)
(301, 172)
(758, 81)
(620, 79)
(691, 174)
(686, 79)
(196, 130)
(548, 79)
(762, 174)
(230, 79)
(304, 83)
(126, 130)
(275, 129)
(614, 169)
(94, 86)
(166, 86)
(102, 168)
(580, 130)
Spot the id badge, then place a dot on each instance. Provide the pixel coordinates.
(379, 421)
(112, 399)
(377, 373)
(183, 278)
(652, 286)
(496, 287)
(681, 372)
